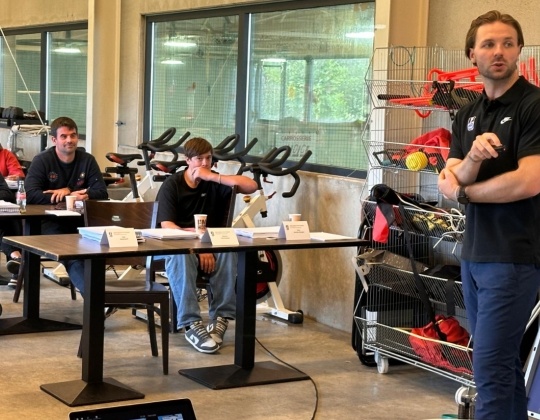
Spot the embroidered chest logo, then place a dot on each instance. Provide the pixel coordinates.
(53, 176)
(80, 180)
(470, 123)
(505, 120)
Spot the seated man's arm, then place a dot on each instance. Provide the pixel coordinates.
(36, 183)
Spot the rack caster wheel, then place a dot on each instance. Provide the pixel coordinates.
(466, 392)
(382, 363)
(296, 317)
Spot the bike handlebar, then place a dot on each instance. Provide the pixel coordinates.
(149, 150)
(269, 166)
(271, 170)
(269, 161)
(164, 138)
(221, 154)
(228, 144)
(163, 147)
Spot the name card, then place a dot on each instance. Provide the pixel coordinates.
(294, 231)
(220, 236)
(119, 237)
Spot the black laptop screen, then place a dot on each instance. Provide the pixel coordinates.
(179, 409)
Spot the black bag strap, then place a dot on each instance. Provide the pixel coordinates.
(420, 287)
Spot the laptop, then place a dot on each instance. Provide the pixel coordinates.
(177, 409)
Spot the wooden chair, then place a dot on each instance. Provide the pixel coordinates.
(133, 293)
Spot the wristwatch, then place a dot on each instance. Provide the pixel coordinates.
(462, 197)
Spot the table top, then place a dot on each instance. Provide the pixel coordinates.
(32, 211)
(74, 246)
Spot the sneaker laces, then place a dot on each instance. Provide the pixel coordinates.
(220, 326)
(198, 328)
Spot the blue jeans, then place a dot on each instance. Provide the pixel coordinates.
(499, 298)
(182, 271)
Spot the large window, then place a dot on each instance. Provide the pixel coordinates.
(20, 70)
(45, 70)
(286, 73)
(193, 77)
(307, 81)
(67, 58)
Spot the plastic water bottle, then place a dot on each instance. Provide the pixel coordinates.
(21, 196)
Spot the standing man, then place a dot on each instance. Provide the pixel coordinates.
(198, 190)
(500, 265)
(62, 170)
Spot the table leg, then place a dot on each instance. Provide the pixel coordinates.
(31, 322)
(92, 388)
(245, 371)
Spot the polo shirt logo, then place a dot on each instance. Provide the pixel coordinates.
(506, 119)
(470, 123)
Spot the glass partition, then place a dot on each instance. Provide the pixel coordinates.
(67, 59)
(194, 65)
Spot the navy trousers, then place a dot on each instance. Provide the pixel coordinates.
(499, 298)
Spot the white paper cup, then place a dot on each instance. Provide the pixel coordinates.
(295, 217)
(70, 202)
(200, 223)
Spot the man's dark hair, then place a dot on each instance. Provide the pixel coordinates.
(197, 146)
(491, 17)
(63, 122)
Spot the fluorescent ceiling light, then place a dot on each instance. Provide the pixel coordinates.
(67, 50)
(172, 61)
(181, 43)
(359, 35)
(273, 60)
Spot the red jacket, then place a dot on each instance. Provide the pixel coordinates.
(9, 164)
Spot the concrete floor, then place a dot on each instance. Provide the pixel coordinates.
(346, 389)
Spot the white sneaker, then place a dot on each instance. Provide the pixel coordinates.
(217, 329)
(199, 338)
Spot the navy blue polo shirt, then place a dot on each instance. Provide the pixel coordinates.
(502, 232)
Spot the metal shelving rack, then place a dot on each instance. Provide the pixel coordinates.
(415, 91)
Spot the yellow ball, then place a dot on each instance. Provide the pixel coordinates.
(416, 161)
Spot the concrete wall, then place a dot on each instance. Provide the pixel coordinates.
(450, 20)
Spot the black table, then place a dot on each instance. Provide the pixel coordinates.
(31, 321)
(93, 388)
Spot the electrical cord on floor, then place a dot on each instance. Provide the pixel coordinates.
(299, 371)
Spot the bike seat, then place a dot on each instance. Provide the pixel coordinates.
(122, 159)
(169, 167)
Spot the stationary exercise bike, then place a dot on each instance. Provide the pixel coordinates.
(146, 189)
(269, 265)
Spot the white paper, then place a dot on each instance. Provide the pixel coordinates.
(168, 233)
(63, 212)
(6, 206)
(258, 232)
(95, 233)
(324, 236)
